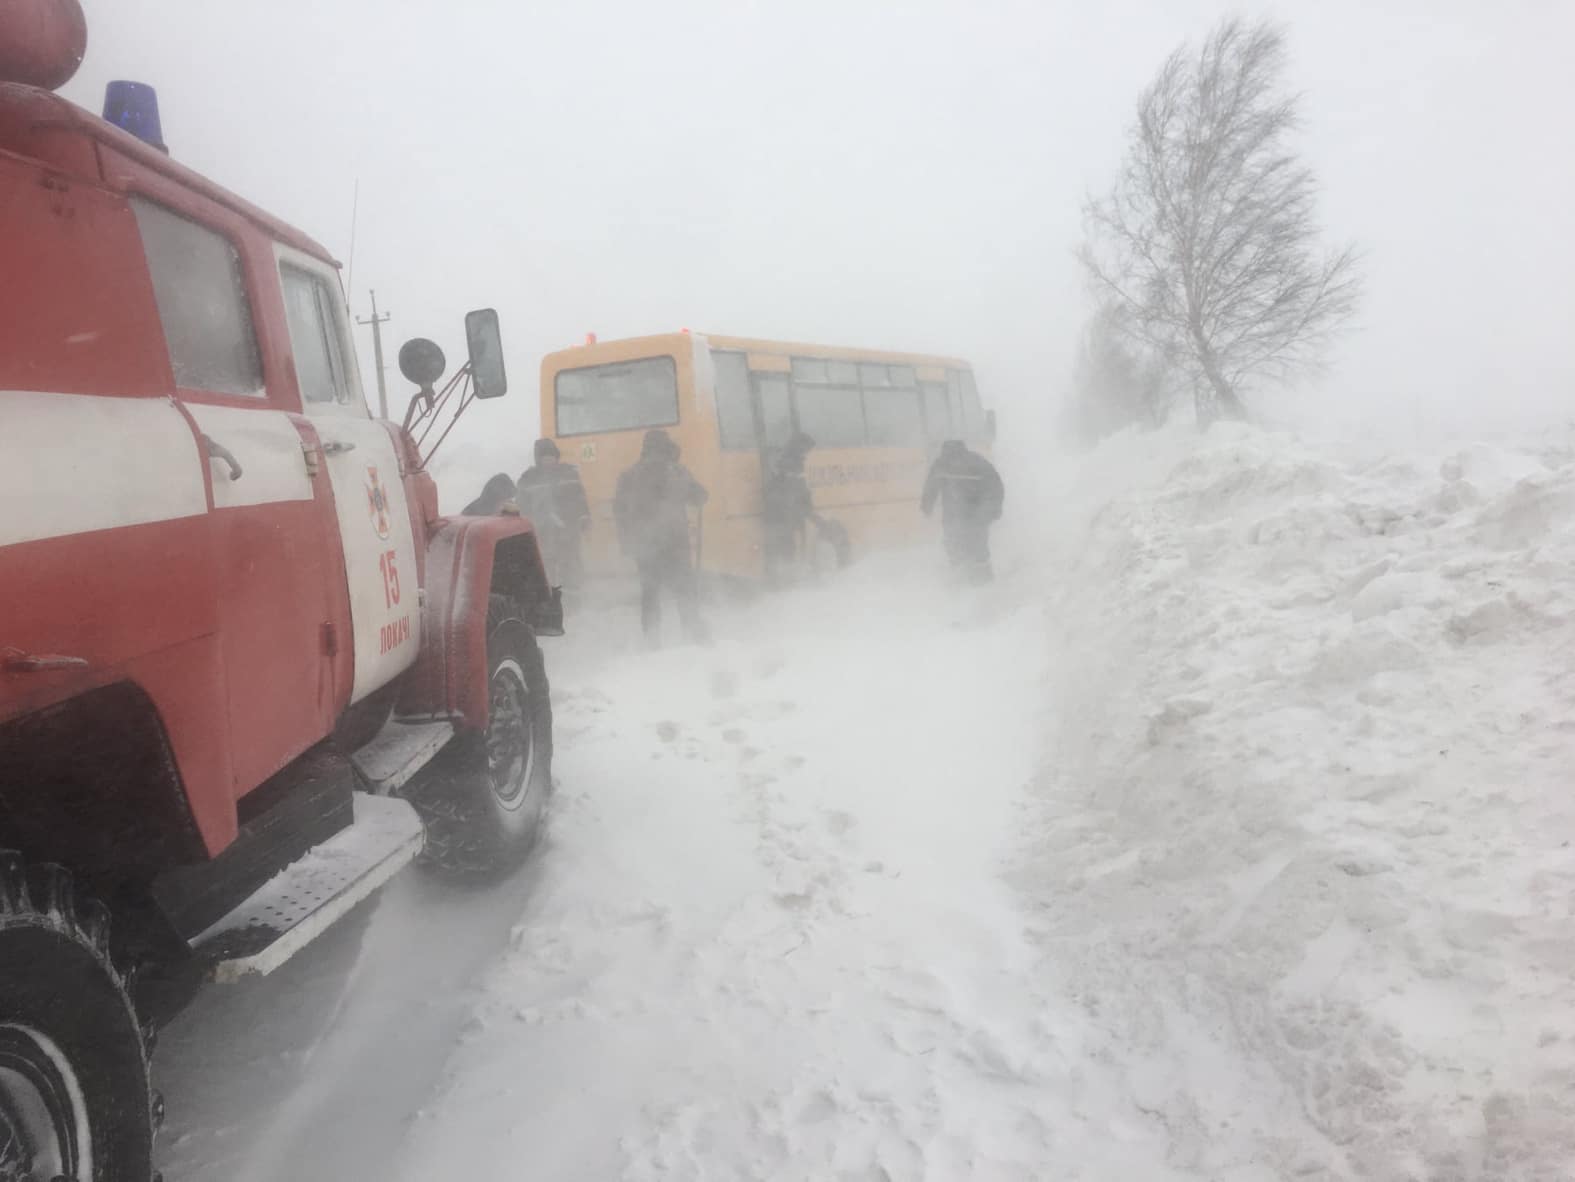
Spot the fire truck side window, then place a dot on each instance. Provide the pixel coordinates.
(201, 294)
(315, 336)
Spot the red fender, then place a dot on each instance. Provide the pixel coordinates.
(468, 559)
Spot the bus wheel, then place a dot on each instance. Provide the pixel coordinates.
(75, 1100)
(485, 801)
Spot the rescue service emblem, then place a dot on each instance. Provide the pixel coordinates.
(377, 504)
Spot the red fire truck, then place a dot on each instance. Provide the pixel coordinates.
(247, 670)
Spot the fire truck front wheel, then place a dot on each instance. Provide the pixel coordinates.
(75, 1101)
(486, 802)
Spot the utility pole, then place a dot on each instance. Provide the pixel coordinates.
(377, 323)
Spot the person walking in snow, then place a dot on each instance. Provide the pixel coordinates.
(786, 508)
(497, 496)
(551, 495)
(651, 508)
(971, 496)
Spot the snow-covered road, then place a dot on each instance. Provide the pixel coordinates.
(773, 939)
(1227, 837)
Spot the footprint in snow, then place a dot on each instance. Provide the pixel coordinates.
(820, 1106)
(772, 711)
(838, 823)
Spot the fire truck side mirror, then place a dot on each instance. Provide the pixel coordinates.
(485, 342)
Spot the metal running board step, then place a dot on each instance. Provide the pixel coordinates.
(400, 750)
(299, 903)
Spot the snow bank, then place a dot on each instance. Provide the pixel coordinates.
(1303, 844)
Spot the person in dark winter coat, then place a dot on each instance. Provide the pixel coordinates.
(971, 495)
(551, 495)
(786, 508)
(651, 508)
(497, 496)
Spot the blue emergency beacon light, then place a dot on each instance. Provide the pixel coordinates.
(134, 107)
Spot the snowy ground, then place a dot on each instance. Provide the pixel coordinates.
(774, 939)
(1226, 837)
(1308, 856)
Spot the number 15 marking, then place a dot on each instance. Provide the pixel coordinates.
(390, 577)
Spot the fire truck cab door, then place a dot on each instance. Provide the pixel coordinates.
(363, 466)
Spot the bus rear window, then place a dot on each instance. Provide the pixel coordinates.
(625, 396)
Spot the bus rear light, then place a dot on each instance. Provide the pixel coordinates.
(590, 338)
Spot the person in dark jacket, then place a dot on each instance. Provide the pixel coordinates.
(786, 508)
(651, 508)
(551, 495)
(497, 496)
(971, 495)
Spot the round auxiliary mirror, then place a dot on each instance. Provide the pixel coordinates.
(421, 361)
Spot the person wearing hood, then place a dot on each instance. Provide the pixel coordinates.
(651, 508)
(497, 496)
(551, 495)
(786, 509)
(971, 496)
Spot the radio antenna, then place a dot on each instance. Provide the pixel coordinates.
(355, 211)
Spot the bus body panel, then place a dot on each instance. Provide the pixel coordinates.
(871, 490)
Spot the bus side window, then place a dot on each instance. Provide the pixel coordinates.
(829, 403)
(891, 405)
(735, 418)
(776, 409)
(937, 417)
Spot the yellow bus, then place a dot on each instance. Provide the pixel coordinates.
(730, 403)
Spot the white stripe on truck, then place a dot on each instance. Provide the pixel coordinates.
(71, 463)
(265, 444)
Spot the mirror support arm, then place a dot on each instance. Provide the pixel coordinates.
(432, 411)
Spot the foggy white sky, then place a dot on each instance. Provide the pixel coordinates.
(886, 174)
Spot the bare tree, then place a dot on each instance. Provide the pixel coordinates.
(1115, 382)
(1207, 239)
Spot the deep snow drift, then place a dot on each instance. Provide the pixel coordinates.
(1227, 837)
(1306, 844)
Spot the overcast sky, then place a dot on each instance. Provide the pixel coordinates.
(906, 175)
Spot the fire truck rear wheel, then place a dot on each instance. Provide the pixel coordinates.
(75, 1101)
(487, 801)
